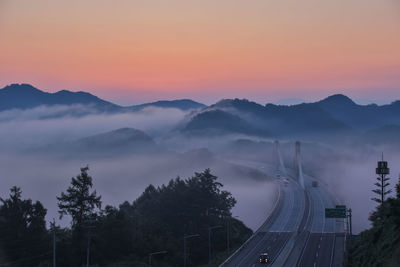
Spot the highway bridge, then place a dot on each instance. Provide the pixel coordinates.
(296, 233)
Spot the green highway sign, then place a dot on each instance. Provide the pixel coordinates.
(341, 207)
(335, 213)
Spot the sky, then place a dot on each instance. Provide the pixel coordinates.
(132, 51)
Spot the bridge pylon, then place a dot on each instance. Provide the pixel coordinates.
(297, 164)
(280, 165)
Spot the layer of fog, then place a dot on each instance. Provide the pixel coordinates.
(21, 129)
(349, 171)
(124, 179)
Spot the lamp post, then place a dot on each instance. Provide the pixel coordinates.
(228, 226)
(184, 246)
(209, 242)
(155, 253)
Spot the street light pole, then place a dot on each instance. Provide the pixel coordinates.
(209, 242)
(228, 227)
(155, 253)
(184, 246)
(53, 225)
(228, 222)
(89, 226)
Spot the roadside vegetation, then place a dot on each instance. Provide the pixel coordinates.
(125, 235)
(379, 245)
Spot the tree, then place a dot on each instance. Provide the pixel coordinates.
(23, 228)
(79, 202)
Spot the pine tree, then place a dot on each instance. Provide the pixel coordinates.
(81, 205)
(78, 201)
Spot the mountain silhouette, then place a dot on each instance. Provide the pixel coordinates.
(119, 142)
(182, 104)
(25, 96)
(362, 117)
(296, 120)
(217, 122)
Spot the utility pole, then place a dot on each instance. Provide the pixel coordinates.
(53, 225)
(209, 242)
(90, 227)
(184, 246)
(228, 222)
(228, 232)
(351, 226)
(88, 249)
(155, 253)
(382, 170)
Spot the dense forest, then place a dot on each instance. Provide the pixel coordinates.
(379, 245)
(126, 235)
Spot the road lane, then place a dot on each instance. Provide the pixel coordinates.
(319, 251)
(321, 248)
(271, 238)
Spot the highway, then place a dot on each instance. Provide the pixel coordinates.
(325, 241)
(297, 232)
(274, 234)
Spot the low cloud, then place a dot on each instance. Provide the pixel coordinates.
(21, 129)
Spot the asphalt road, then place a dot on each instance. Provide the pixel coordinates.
(321, 244)
(271, 238)
(323, 249)
(325, 244)
(266, 242)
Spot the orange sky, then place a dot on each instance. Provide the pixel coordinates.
(132, 50)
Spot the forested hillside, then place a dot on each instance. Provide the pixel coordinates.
(156, 221)
(379, 245)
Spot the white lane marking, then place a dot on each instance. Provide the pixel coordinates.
(319, 246)
(315, 264)
(253, 265)
(317, 254)
(252, 250)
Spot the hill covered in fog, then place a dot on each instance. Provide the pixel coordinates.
(25, 96)
(336, 116)
(362, 117)
(120, 142)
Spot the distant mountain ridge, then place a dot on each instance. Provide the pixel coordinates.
(363, 117)
(112, 143)
(25, 96)
(334, 115)
(269, 120)
(216, 122)
(183, 104)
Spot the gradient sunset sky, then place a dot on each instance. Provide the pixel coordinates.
(131, 51)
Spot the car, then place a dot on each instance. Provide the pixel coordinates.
(264, 258)
(286, 181)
